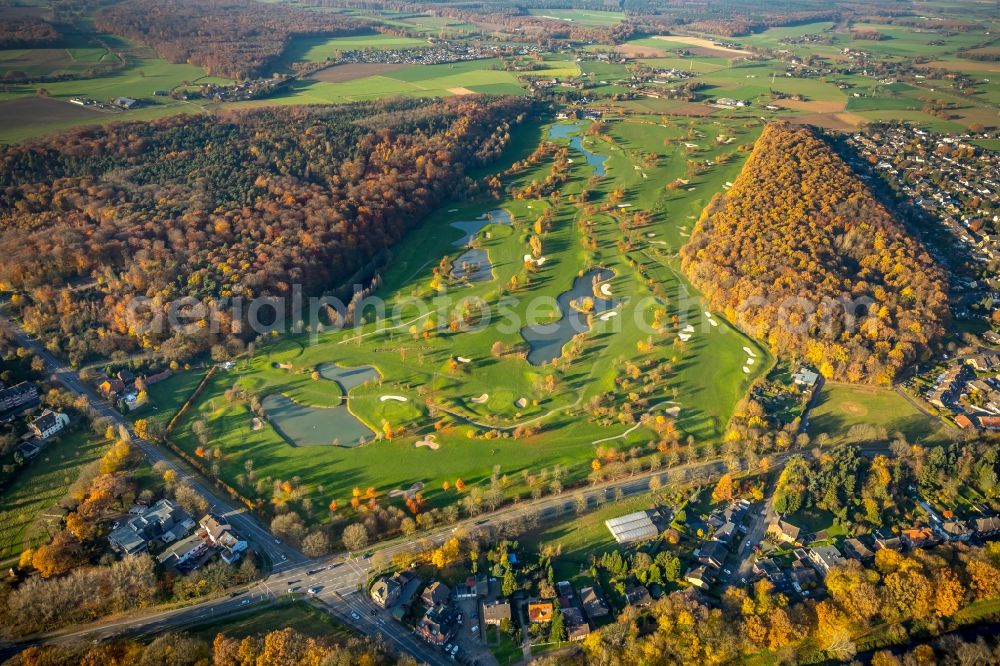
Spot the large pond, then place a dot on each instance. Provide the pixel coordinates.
(571, 131)
(474, 264)
(546, 341)
(303, 425)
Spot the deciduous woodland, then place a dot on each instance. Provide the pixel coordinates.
(233, 38)
(26, 31)
(214, 207)
(797, 232)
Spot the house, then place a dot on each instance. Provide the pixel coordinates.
(164, 521)
(768, 568)
(805, 378)
(955, 530)
(474, 586)
(111, 388)
(386, 590)
(701, 576)
(825, 558)
(632, 527)
(803, 578)
(987, 526)
(593, 603)
(985, 362)
(992, 337)
(435, 594)
(576, 626)
(889, 542)
(784, 532)
(963, 422)
(496, 612)
(18, 397)
(437, 626)
(184, 551)
(540, 611)
(125, 375)
(856, 550)
(988, 422)
(712, 553)
(725, 533)
(638, 596)
(220, 534)
(48, 424)
(917, 537)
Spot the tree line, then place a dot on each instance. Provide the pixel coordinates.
(799, 253)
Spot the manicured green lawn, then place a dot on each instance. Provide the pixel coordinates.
(167, 396)
(28, 513)
(702, 378)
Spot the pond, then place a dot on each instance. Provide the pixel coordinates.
(546, 341)
(302, 425)
(474, 264)
(348, 378)
(571, 131)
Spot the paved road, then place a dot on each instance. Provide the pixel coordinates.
(339, 582)
(281, 555)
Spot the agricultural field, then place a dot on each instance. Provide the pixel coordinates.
(442, 404)
(30, 514)
(841, 406)
(318, 49)
(584, 17)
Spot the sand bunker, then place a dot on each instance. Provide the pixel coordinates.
(461, 91)
(481, 399)
(410, 492)
(429, 442)
(746, 369)
(606, 289)
(396, 398)
(749, 351)
(530, 259)
(608, 315)
(462, 359)
(673, 412)
(521, 403)
(256, 423)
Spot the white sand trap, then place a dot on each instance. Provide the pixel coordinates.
(690, 189)
(713, 322)
(690, 145)
(624, 205)
(537, 262)
(521, 403)
(256, 423)
(608, 315)
(749, 351)
(644, 175)
(750, 361)
(429, 442)
(684, 235)
(672, 412)
(708, 314)
(650, 235)
(728, 184)
(606, 289)
(462, 359)
(746, 369)
(569, 160)
(394, 398)
(685, 182)
(690, 217)
(684, 336)
(688, 329)
(658, 242)
(481, 399)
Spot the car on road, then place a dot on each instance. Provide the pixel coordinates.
(727, 572)
(355, 616)
(292, 588)
(314, 590)
(245, 601)
(475, 628)
(277, 541)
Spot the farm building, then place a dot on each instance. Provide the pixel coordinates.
(632, 527)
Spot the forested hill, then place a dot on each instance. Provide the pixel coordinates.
(244, 204)
(798, 230)
(233, 38)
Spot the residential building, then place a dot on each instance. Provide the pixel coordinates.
(48, 424)
(701, 576)
(540, 611)
(220, 534)
(955, 530)
(577, 627)
(712, 553)
(164, 521)
(805, 378)
(854, 549)
(638, 596)
(184, 551)
(435, 594)
(825, 558)
(495, 612)
(989, 526)
(593, 603)
(18, 397)
(385, 592)
(437, 626)
(917, 537)
(784, 532)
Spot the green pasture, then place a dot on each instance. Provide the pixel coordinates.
(584, 17)
(319, 48)
(29, 512)
(841, 406)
